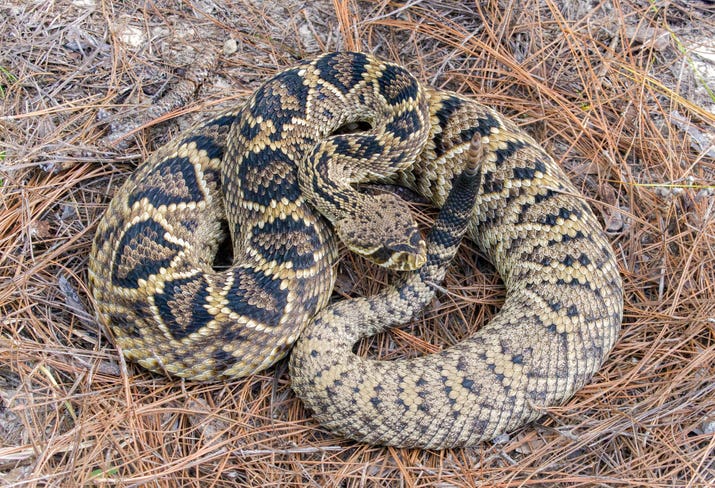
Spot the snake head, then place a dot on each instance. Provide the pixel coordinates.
(383, 230)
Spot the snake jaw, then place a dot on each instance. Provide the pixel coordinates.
(408, 257)
(399, 256)
(407, 262)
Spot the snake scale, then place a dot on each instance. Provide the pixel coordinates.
(305, 140)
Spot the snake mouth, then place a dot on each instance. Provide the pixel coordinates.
(406, 261)
(398, 256)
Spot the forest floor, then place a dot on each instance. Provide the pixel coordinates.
(621, 93)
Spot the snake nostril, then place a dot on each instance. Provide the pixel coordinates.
(382, 255)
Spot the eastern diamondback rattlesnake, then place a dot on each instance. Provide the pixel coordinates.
(155, 288)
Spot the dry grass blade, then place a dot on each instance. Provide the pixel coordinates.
(619, 92)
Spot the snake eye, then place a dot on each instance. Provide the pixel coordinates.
(381, 255)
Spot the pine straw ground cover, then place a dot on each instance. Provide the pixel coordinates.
(617, 91)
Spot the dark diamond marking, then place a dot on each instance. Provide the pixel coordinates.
(190, 225)
(444, 114)
(363, 147)
(191, 293)
(565, 213)
(396, 85)
(491, 185)
(269, 99)
(572, 282)
(286, 240)
(511, 148)
(483, 128)
(204, 143)
(249, 130)
(253, 169)
(324, 191)
(332, 69)
(548, 219)
(541, 197)
(144, 241)
(404, 126)
(524, 173)
(248, 296)
(163, 184)
(566, 238)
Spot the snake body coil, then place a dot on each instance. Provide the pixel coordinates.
(152, 276)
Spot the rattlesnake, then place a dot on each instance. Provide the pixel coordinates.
(155, 289)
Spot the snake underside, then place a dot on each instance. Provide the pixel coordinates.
(168, 306)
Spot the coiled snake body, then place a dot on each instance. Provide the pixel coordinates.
(156, 289)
